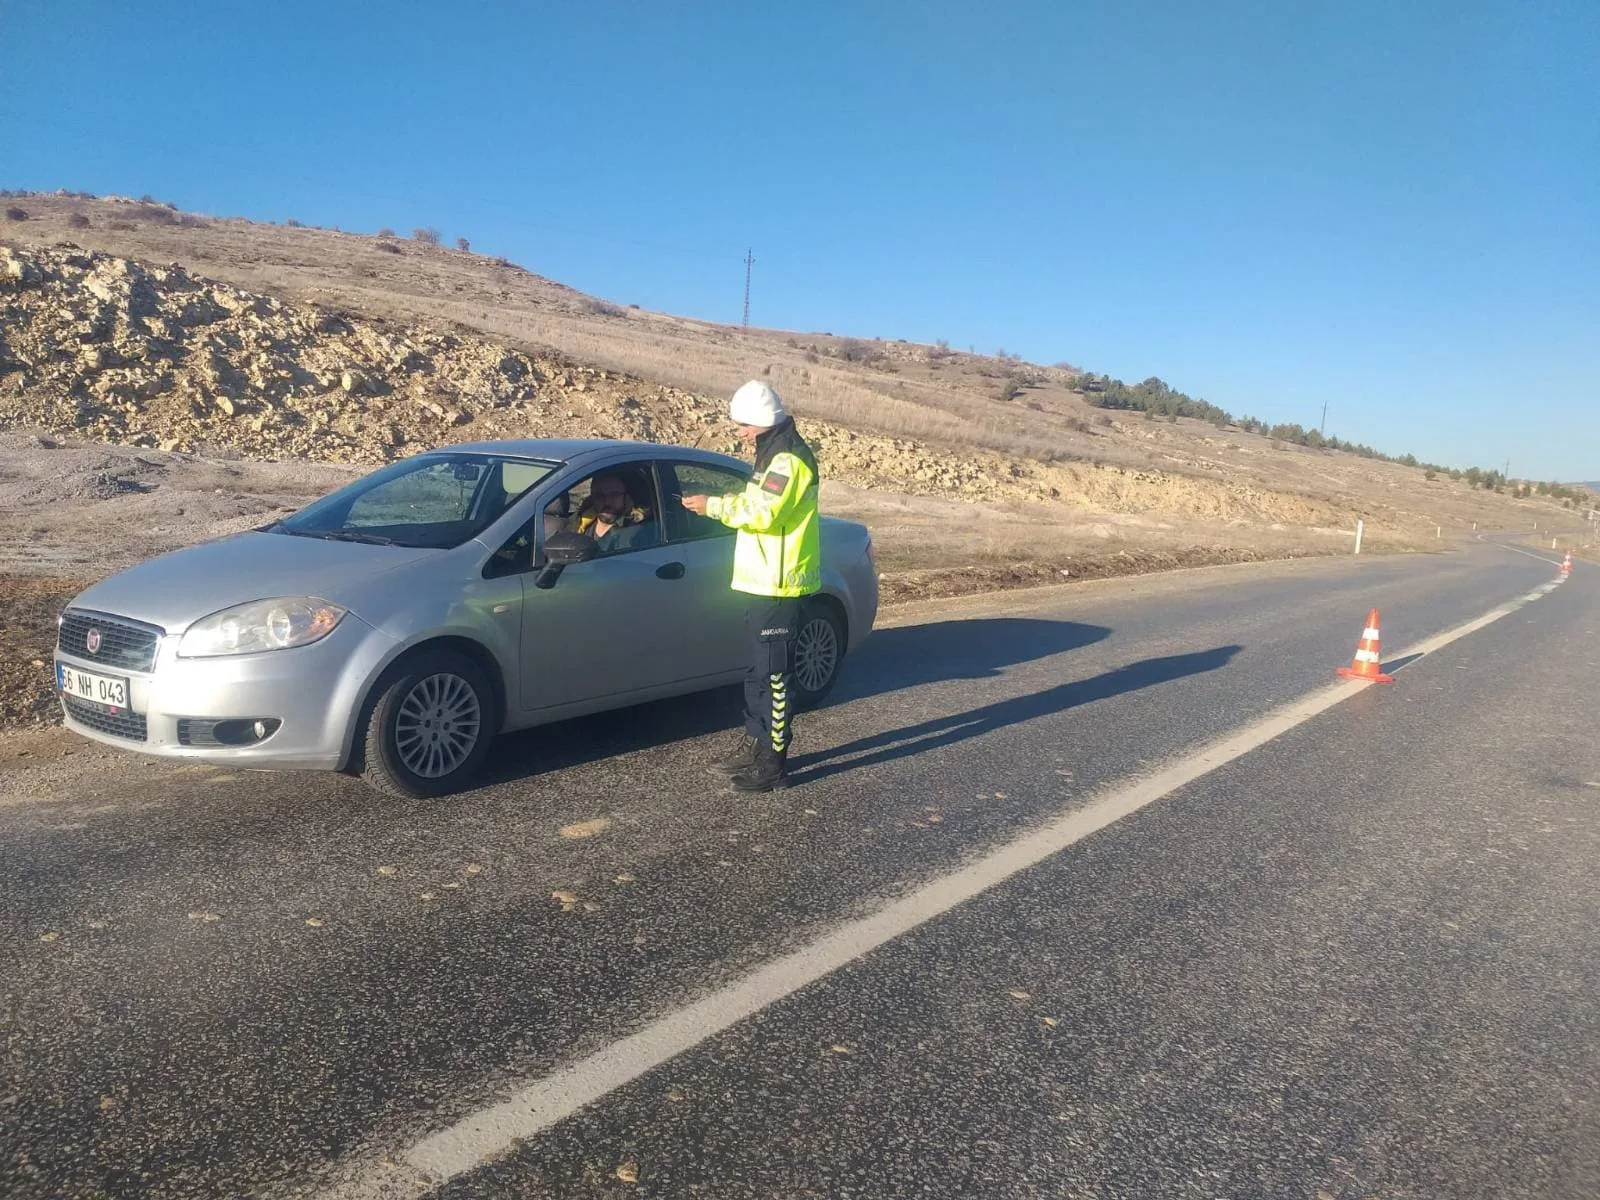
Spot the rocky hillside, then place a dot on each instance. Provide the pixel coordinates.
(112, 350)
(121, 352)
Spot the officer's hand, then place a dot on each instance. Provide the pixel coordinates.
(695, 504)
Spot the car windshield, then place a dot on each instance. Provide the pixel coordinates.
(437, 500)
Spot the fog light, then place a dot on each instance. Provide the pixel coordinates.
(246, 731)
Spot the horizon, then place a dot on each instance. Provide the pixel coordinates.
(1392, 214)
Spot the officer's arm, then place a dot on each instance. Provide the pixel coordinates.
(766, 503)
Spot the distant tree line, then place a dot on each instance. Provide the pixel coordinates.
(1155, 398)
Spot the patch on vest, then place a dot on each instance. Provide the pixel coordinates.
(774, 483)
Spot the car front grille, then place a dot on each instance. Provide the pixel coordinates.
(124, 643)
(124, 724)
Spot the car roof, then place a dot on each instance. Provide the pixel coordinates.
(570, 450)
(553, 449)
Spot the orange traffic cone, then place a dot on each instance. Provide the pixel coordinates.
(1367, 663)
(1566, 564)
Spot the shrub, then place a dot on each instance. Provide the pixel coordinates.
(78, 221)
(16, 214)
(390, 248)
(426, 234)
(463, 245)
(157, 214)
(385, 232)
(293, 224)
(1010, 390)
(603, 308)
(1079, 424)
(1105, 419)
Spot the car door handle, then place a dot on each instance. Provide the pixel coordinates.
(671, 570)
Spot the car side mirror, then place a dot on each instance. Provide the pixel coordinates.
(563, 550)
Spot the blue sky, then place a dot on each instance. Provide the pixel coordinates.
(1391, 207)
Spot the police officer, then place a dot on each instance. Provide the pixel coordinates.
(777, 562)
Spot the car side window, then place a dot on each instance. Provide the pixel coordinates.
(696, 479)
(616, 506)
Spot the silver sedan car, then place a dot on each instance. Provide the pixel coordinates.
(393, 627)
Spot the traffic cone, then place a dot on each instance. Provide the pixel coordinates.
(1367, 663)
(1566, 564)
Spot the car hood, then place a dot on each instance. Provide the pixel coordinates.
(179, 588)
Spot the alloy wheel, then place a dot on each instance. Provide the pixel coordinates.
(816, 654)
(437, 725)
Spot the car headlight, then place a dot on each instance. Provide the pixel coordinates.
(261, 625)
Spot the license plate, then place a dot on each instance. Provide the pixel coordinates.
(97, 689)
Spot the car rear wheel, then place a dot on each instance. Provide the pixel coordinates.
(428, 731)
(818, 653)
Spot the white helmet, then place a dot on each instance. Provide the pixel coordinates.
(755, 403)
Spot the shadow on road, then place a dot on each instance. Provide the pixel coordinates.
(890, 660)
(946, 731)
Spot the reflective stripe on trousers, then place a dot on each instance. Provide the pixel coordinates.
(771, 626)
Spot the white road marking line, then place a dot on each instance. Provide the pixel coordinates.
(1519, 550)
(495, 1130)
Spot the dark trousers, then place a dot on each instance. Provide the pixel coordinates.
(771, 625)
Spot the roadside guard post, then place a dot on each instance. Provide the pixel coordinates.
(1368, 661)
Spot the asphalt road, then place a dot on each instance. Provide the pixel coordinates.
(1359, 960)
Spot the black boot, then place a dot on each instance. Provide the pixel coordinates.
(767, 773)
(742, 759)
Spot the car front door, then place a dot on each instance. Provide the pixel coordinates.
(619, 624)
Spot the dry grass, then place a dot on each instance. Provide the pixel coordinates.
(930, 394)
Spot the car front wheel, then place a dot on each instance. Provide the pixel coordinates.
(428, 731)
(818, 653)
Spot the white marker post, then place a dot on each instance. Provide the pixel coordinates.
(1360, 525)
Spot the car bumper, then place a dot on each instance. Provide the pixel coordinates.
(313, 694)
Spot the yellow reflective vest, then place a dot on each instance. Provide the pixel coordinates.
(778, 551)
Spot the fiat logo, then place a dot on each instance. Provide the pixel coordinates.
(91, 641)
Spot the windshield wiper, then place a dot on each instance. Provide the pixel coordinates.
(344, 535)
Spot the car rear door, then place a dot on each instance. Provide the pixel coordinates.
(714, 642)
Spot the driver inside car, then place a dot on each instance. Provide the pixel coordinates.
(612, 517)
